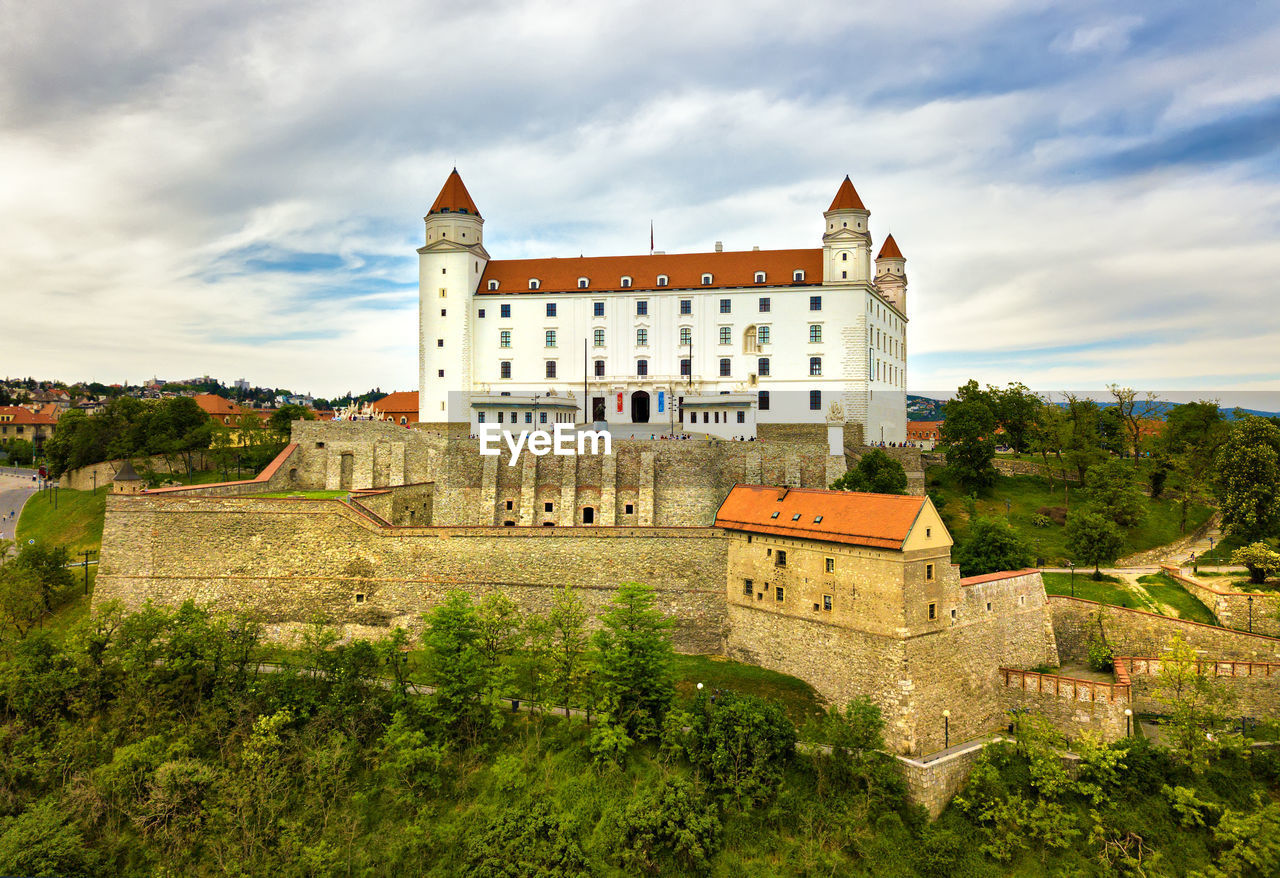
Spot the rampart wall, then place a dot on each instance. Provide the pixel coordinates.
(1071, 704)
(1244, 611)
(289, 561)
(83, 479)
(1136, 632)
(1255, 685)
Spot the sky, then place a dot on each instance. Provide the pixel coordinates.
(1086, 193)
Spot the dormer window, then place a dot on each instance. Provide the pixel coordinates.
(534, 283)
(706, 280)
(662, 280)
(626, 281)
(493, 284)
(797, 275)
(759, 277)
(583, 283)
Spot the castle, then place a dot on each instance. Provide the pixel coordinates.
(732, 344)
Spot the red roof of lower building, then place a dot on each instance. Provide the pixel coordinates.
(217, 406)
(878, 520)
(16, 414)
(399, 402)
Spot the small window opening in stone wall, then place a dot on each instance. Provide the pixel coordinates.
(548, 506)
(826, 602)
(1022, 600)
(781, 558)
(831, 565)
(768, 553)
(509, 504)
(748, 588)
(928, 573)
(588, 515)
(629, 509)
(548, 524)
(953, 615)
(359, 597)
(748, 539)
(293, 474)
(508, 524)
(815, 608)
(778, 593)
(319, 445)
(760, 596)
(988, 606)
(928, 531)
(933, 612)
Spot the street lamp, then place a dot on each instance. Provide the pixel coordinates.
(946, 729)
(1128, 722)
(1250, 614)
(1072, 565)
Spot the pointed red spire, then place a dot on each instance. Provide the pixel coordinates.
(846, 197)
(890, 250)
(454, 197)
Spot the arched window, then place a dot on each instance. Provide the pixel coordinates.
(493, 284)
(662, 280)
(759, 277)
(626, 281)
(403, 420)
(706, 280)
(583, 283)
(534, 283)
(797, 275)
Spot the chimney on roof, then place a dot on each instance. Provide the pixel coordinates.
(719, 246)
(755, 246)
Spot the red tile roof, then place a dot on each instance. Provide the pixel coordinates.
(683, 270)
(454, 197)
(16, 414)
(879, 520)
(993, 577)
(846, 197)
(400, 402)
(890, 250)
(923, 428)
(217, 406)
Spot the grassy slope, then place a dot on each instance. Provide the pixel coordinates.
(1171, 594)
(76, 522)
(1111, 591)
(797, 696)
(1026, 494)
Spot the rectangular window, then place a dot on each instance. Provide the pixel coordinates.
(815, 400)
(742, 417)
(933, 612)
(642, 308)
(815, 303)
(481, 313)
(504, 310)
(597, 338)
(505, 368)
(542, 416)
(598, 309)
(480, 418)
(778, 593)
(764, 304)
(501, 415)
(748, 588)
(686, 368)
(724, 367)
(815, 365)
(726, 335)
(504, 338)
(762, 367)
(686, 306)
(551, 338)
(780, 558)
(551, 373)
(928, 573)
(831, 565)
(551, 309)
(686, 335)
(815, 333)
(599, 368)
(762, 335)
(642, 337)
(826, 602)
(439, 342)
(726, 306)
(762, 401)
(642, 368)
(528, 417)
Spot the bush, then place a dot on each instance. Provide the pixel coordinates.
(992, 546)
(1056, 514)
(1038, 520)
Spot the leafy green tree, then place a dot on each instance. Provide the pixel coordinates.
(1247, 842)
(669, 830)
(1197, 703)
(1261, 559)
(1114, 493)
(634, 663)
(20, 451)
(21, 605)
(875, 473)
(991, 546)
(44, 841)
(742, 742)
(33, 583)
(464, 702)
(855, 763)
(281, 420)
(567, 625)
(1091, 539)
(528, 838)
(1017, 411)
(1247, 480)
(1083, 446)
(968, 436)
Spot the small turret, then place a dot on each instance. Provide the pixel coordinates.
(454, 216)
(891, 274)
(846, 238)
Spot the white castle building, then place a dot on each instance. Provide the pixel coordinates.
(732, 344)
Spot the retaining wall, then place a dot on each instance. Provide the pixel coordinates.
(1255, 685)
(1242, 610)
(1071, 704)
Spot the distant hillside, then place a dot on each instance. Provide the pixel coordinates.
(926, 408)
(923, 408)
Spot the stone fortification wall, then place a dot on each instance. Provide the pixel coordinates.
(1256, 685)
(1072, 705)
(912, 679)
(1244, 611)
(82, 479)
(279, 475)
(287, 561)
(1010, 467)
(934, 782)
(1136, 632)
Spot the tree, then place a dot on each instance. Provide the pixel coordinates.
(968, 435)
(991, 546)
(1132, 412)
(567, 623)
(1017, 410)
(742, 742)
(634, 663)
(672, 830)
(1083, 444)
(1261, 559)
(1197, 703)
(1093, 539)
(281, 420)
(20, 451)
(1114, 494)
(1247, 480)
(463, 702)
(875, 473)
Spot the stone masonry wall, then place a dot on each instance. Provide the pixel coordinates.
(1071, 705)
(1256, 685)
(286, 561)
(82, 479)
(1135, 632)
(1244, 611)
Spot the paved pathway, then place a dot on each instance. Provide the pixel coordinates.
(14, 491)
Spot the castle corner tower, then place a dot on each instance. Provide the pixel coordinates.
(846, 238)
(449, 268)
(891, 274)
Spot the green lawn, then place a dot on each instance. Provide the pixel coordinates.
(1221, 552)
(1165, 589)
(1110, 591)
(76, 522)
(1018, 497)
(797, 696)
(305, 495)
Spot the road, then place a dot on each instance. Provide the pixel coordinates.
(14, 491)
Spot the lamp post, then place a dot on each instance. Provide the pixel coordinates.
(1250, 614)
(1128, 722)
(1072, 565)
(946, 729)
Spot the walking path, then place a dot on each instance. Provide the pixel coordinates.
(14, 491)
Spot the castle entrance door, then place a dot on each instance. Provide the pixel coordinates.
(640, 407)
(597, 408)
(346, 470)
